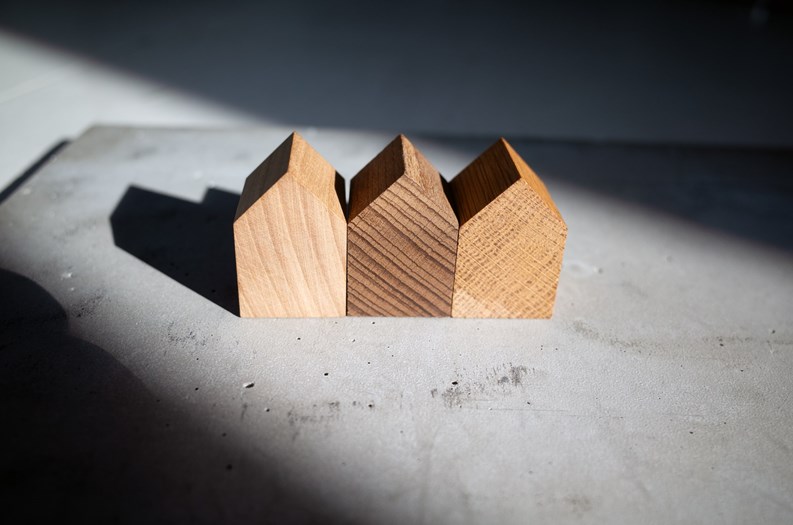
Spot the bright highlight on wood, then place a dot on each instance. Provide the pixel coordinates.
(402, 237)
(290, 236)
(511, 239)
(488, 244)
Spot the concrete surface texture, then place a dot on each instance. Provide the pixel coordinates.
(659, 392)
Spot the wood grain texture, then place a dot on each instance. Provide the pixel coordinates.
(511, 239)
(401, 237)
(290, 236)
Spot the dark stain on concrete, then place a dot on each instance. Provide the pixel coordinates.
(486, 385)
(88, 306)
(579, 504)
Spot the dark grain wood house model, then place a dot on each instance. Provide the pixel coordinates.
(401, 237)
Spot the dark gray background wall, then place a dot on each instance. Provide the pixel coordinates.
(652, 71)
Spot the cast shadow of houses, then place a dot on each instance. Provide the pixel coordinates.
(192, 243)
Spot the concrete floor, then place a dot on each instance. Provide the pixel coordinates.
(660, 391)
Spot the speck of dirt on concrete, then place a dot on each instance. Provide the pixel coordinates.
(690, 431)
(325, 374)
(454, 383)
(298, 339)
(248, 385)
(196, 388)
